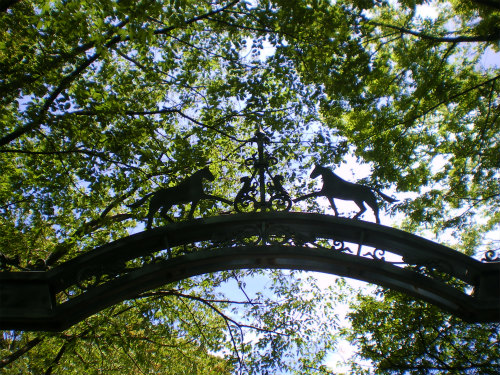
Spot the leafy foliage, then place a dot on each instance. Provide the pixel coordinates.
(104, 102)
(402, 336)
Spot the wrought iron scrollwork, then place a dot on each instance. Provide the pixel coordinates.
(252, 196)
(268, 233)
(491, 256)
(245, 236)
(96, 274)
(329, 244)
(280, 200)
(246, 199)
(376, 254)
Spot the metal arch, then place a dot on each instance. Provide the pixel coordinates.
(59, 298)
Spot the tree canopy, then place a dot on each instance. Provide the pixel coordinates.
(403, 336)
(103, 102)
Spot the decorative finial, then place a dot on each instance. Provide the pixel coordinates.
(253, 198)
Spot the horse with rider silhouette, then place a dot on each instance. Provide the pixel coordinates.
(336, 187)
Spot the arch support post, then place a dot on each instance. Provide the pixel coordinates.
(489, 283)
(26, 300)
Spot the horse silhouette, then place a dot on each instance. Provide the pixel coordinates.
(336, 187)
(188, 190)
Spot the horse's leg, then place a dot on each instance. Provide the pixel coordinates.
(362, 208)
(150, 220)
(375, 212)
(332, 203)
(164, 211)
(372, 202)
(193, 206)
(153, 207)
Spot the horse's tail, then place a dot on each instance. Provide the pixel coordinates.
(140, 201)
(385, 197)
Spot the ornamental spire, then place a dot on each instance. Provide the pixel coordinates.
(262, 191)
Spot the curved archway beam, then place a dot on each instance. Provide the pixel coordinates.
(57, 299)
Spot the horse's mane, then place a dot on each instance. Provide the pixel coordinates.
(327, 172)
(198, 172)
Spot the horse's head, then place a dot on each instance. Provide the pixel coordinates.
(206, 174)
(318, 169)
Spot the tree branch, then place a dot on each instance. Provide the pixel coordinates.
(63, 248)
(256, 29)
(209, 304)
(494, 36)
(166, 30)
(67, 80)
(58, 357)
(100, 155)
(235, 346)
(162, 293)
(167, 110)
(63, 84)
(18, 353)
(454, 96)
(211, 128)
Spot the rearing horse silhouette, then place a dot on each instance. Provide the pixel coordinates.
(188, 190)
(335, 187)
